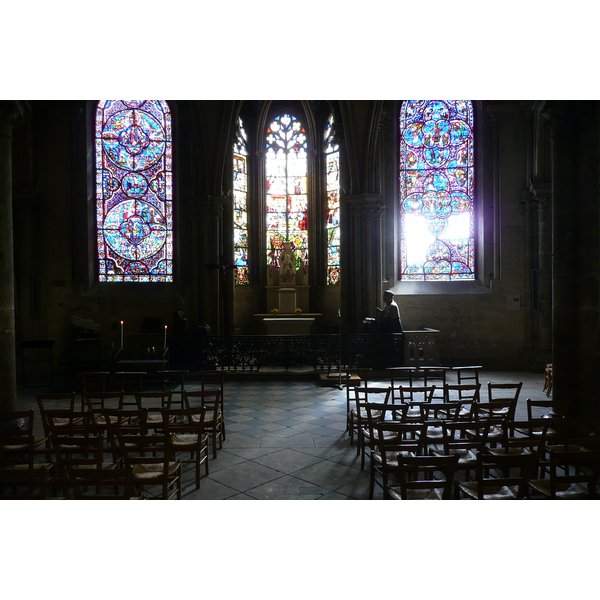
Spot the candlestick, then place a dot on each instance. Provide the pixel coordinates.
(121, 335)
(165, 337)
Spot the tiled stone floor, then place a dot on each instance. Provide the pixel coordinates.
(287, 440)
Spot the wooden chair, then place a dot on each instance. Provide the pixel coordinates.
(150, 461)
(92, 381)
(101, 484)
(63, 409)
(416, 480)
(359, 416)
(29, 483)
(500, 392)
(573, 474)
(18, 443)
(185, 430)
(548, 379)
(413, 397)
(467, 373)
(467, 393)
(97, 402)
(500, 477)
(395, 438)
(354, 378)
(214, 420)
(78, 452)
(174, 377)
(21, 475)
(457, 441)
(154, 402)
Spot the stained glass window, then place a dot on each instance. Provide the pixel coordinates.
(332, 158)
(436, 190)
(240, 208)
(286, 181)
(134, 213)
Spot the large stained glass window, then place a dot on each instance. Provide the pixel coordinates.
(286, 181)
(332, 158)
(436, 190)
(240, 207)
(134, 214)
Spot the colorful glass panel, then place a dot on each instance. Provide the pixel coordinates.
(286, 168)
(332, 159)
(240, 208)
(134, 212)
(436, 191)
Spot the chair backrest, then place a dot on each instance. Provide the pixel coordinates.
(532, 405)
(395, 437)
(419, 477)
(504, 391)
(371, 394)
(184, 420)
(67, 422)
(441, 411)
(414, 394)
(459, 436)
(154, 400)
(495, 471)
(465, 391)
(45, 402)
(579, 467)
(98, 401)
(212, 400)
(500, 410)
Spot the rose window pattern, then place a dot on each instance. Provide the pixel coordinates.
(134, 213)
(286, 166)
(437, 240)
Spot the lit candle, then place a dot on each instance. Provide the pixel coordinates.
(121, 334)
(165, 337)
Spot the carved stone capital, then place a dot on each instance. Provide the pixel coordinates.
(211, 207)
(369, 206)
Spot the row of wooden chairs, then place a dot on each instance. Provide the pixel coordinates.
(107, 419)
(554, 458)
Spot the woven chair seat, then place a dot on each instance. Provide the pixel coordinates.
(434, 494)
(24, 467)
(391, 458)
(491, 492)
(564, 491)
(187, 439)
(153, 471)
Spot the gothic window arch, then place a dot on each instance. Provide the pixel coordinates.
(437, 167)
(286, 180)
(240, 205)
(134, 191)
(332, 225)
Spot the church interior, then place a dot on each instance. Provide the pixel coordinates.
(156, 239)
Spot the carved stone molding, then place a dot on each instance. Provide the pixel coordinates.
(369, 206)
(211, 207)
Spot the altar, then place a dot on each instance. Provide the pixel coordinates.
(288, 326)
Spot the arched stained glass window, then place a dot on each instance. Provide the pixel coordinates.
(436, 191)
(332, 157)
(134, 215)
(286, 167)
(240, 206)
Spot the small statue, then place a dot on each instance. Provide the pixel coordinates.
(287, 273)
(302, 276)
(272, 278)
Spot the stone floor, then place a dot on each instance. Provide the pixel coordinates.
(286, 440)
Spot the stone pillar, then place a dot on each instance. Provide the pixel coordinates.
(214, 305)
(9, 111)
(367, 255)
(575, 225)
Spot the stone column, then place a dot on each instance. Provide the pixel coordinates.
(575, 226)
(9, 111)
(367, 255)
